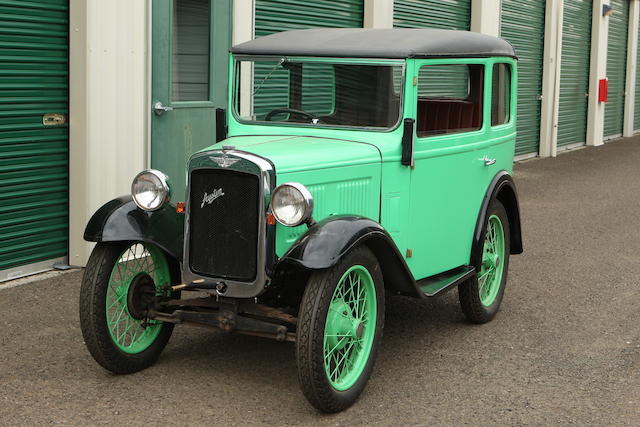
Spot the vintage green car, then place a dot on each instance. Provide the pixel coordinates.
(351, 164)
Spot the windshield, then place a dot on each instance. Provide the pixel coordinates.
(318, 93)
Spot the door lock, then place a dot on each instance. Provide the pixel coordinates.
(160, 109)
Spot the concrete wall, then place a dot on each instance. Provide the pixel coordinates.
(109, 107)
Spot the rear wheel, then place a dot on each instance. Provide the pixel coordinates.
(339, 331)
(120, 283)
(480, 296)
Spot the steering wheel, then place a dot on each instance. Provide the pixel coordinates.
(293, 111)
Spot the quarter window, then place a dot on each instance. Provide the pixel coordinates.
(500, 94)
(449, 99)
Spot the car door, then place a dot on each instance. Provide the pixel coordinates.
(449, 179)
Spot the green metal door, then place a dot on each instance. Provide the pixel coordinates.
(191, 40)
(523, 26)
(616, 68)
(33, 156)
(447, 14)
(574, 72)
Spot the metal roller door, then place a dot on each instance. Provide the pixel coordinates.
(33, 157)
(447, 14)
(616, 68)
(574, 72)
(273, 16)
(527, 36)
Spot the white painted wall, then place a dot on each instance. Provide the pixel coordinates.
(598, 70)
(485, 16)
(109, 107)
(632, 58)
(378, 13)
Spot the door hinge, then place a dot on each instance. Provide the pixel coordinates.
(409, 253)
(415, 80)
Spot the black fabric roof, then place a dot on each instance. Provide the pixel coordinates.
(377, 43)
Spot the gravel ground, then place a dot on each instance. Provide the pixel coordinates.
(564, 349)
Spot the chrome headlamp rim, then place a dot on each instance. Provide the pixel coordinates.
(166, 189)
(308, 200)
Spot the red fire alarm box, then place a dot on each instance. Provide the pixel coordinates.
(603, 90)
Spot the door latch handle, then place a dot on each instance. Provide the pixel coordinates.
(487, 161)
(160, 109)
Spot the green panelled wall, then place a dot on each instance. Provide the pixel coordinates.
(636, 114)
(616, 67)
(449, 14)
(523, 26)
(273, 16)
(574, 72)
(33, 157)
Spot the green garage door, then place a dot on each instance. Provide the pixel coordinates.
(33, 157)
(281, 15)
(574, 72)
(523, 26)
(616, 68)
(636, 114)
(448, 14)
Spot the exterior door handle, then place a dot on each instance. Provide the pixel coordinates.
(160, 109)
(487, 161)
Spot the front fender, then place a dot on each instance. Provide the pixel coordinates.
(121, 220)
(326, 242)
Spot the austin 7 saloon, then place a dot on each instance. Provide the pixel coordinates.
(350, 164)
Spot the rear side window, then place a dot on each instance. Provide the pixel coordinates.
(500, 94)
(449, 99)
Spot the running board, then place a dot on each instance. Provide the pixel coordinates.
(434, 285)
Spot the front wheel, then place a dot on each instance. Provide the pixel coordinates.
(119, 284)
(339, 330)
(480, 296)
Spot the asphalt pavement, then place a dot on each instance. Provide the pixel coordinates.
(564, 349)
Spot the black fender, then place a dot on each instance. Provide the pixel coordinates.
(327, 241)
(501, 188)
(121, 220)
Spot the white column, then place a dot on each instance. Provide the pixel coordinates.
(244, 26)
(485, 16)
(554, 13)
(598, 70)
(632, 60)
(378, 13)
(109, 108)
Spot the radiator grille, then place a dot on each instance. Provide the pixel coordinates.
(223, 224)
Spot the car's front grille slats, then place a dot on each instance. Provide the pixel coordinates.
(223, 224)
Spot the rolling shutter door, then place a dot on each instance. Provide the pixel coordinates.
(616, 68)
(33, 157)
(447, 14)
(273, 16)
(574, 72)
(523, 26)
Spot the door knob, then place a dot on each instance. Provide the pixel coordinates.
(160, 109)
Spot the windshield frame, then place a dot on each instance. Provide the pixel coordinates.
(236, 59)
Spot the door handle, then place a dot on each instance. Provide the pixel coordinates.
(487, 161)
(160, 109)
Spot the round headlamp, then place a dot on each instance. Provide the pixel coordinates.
(292, 204)
(150, 189)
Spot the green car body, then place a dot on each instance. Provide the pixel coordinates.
(296, 228)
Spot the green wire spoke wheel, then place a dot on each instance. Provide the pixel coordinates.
(480, 297)
(120, 283)
(339, 330)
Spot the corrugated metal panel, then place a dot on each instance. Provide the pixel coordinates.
(33, 158)
(636, 114)
(523, 26)
(447, 14)
(616, 67)
(574, 72)
(273, 16)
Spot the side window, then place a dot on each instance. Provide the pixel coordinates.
(449, 99)
(500, 94)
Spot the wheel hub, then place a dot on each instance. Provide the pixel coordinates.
(341, 324)
(142, 291)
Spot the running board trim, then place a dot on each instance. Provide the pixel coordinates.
(437, 284)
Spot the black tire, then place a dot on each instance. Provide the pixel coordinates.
(93, 315)
(310, 333)
(469, 295)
